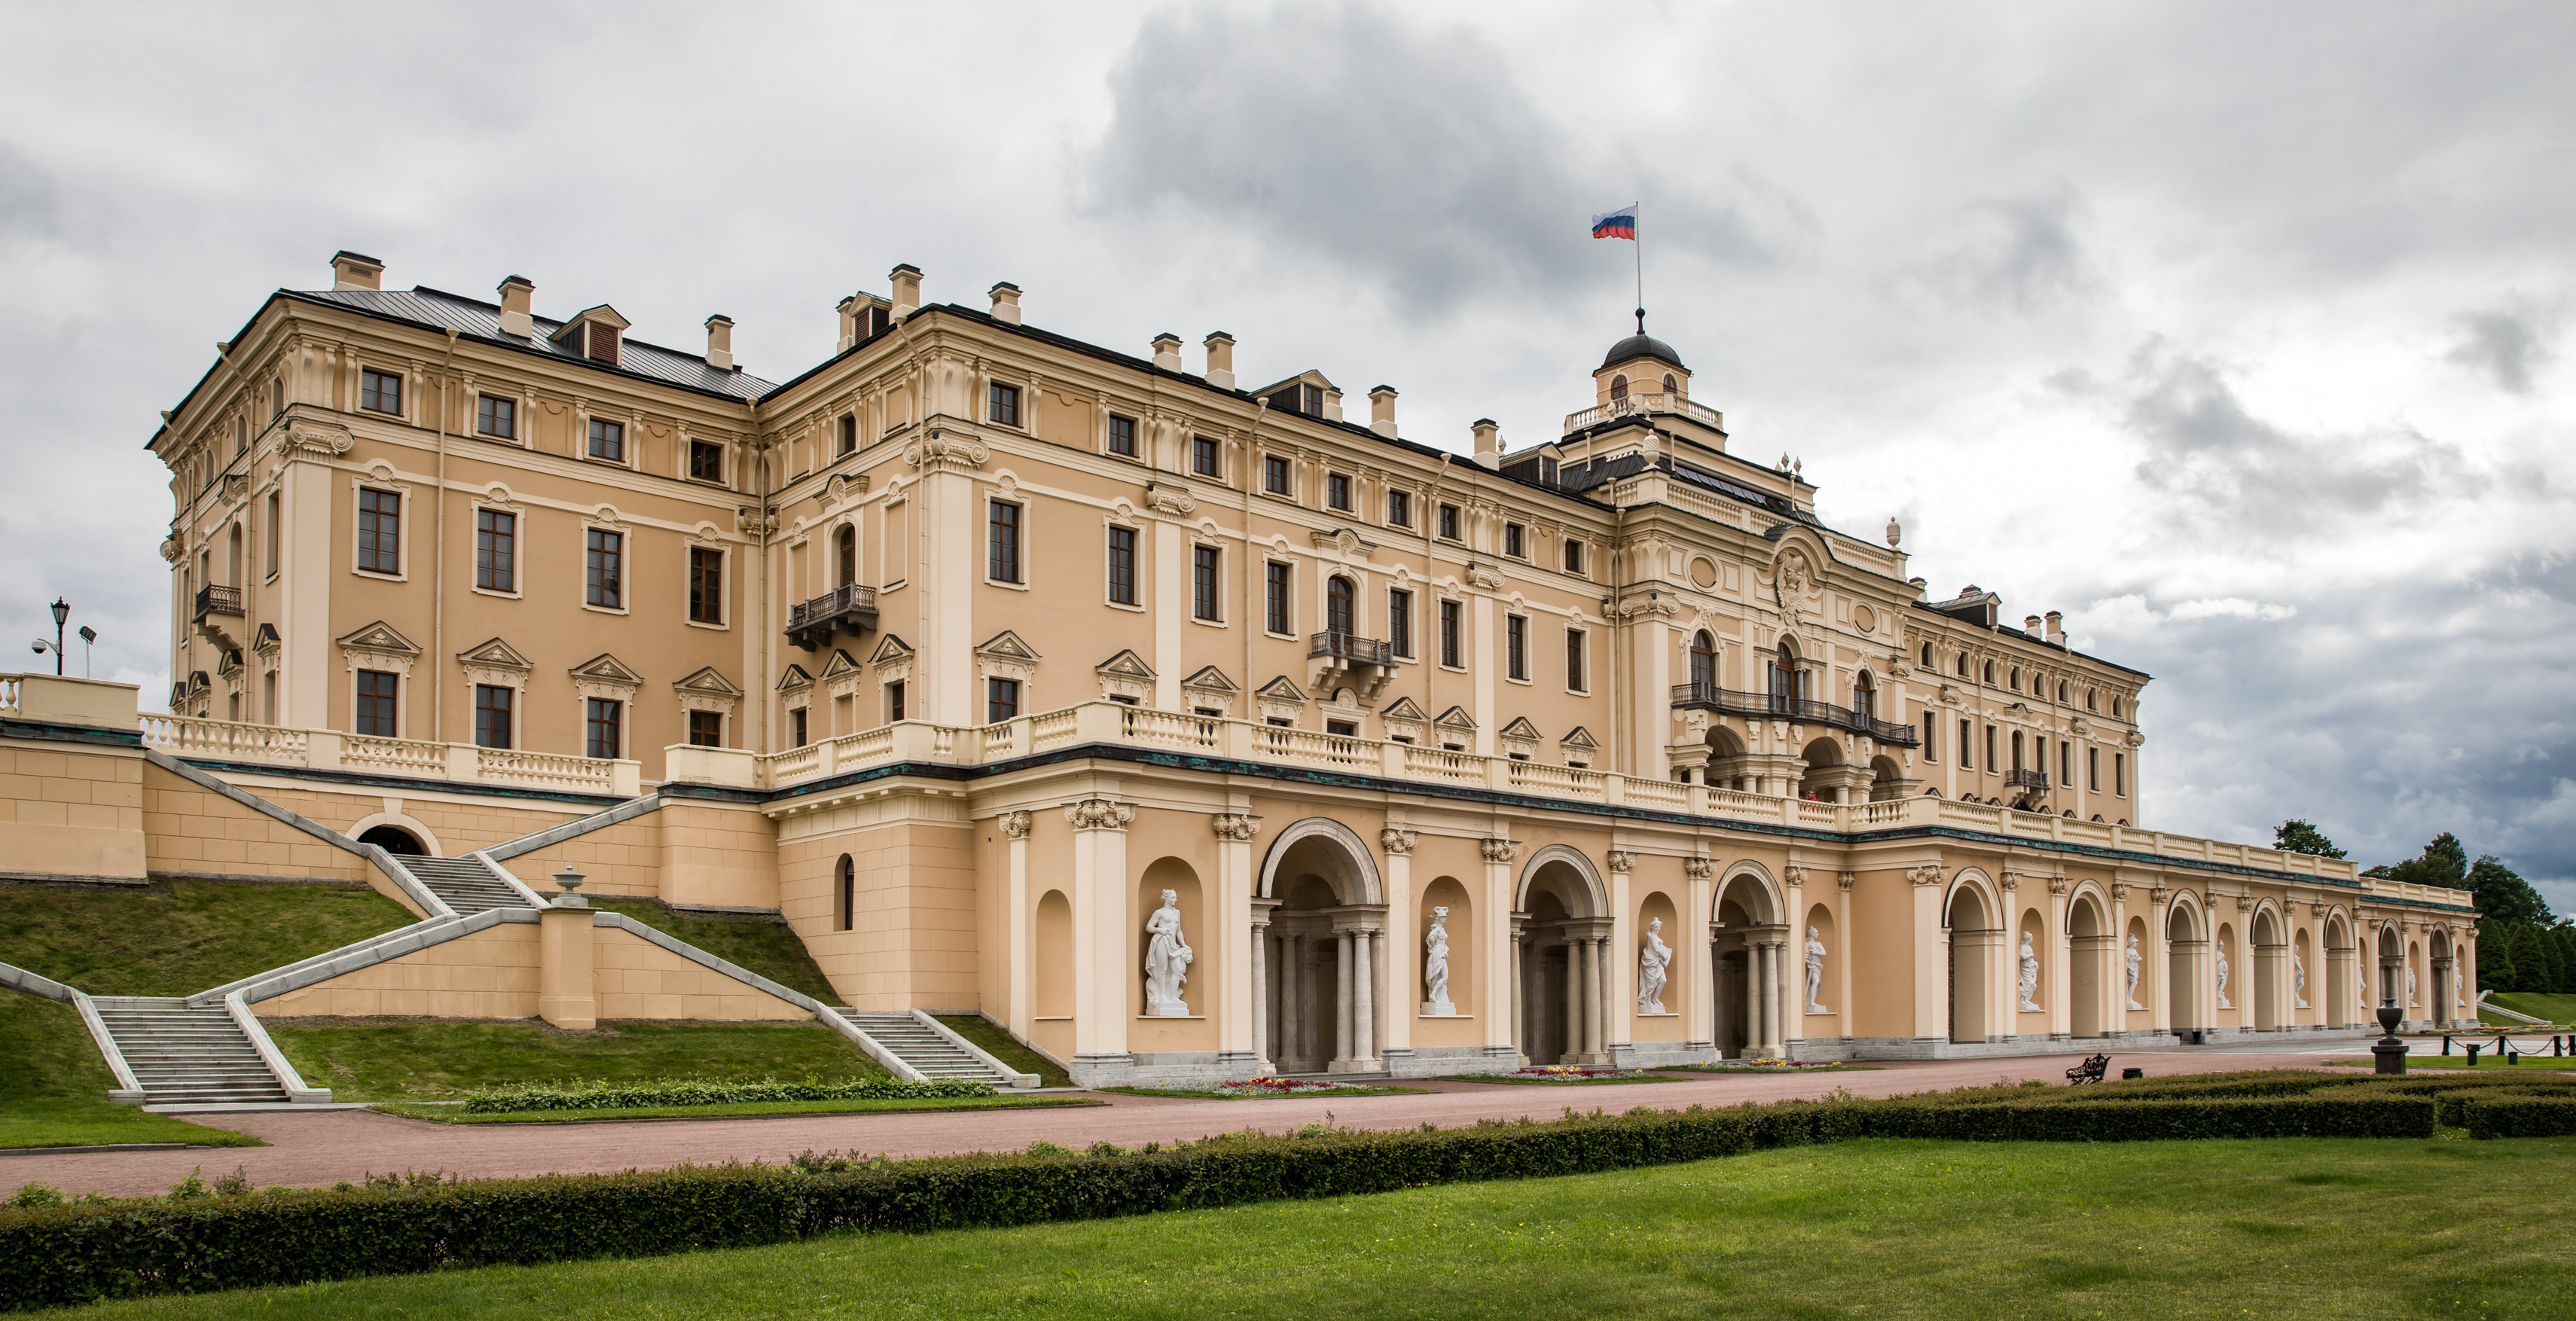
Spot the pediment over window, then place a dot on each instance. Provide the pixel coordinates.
(890, 648)
(1457, 718)
(496, 655)
(1403, 708)
(1126, 677)
(840, 664)
(794, 679)
(380, 636)
(1521, 728)
(1126, 664)
(1209, 679)
(606, 677)
(1282, 689)
(1579, 738)
(710, 682)
(1007, 645)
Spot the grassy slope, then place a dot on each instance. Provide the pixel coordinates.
(53, 1087)
(771, 949)
(381, 1060)
(195, 935)
(2284, 1228)
(452, 1114)
(2555, 1008)
(1002, 1046)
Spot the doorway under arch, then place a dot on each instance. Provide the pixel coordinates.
(2088, 969)
(394, 840)
(1976, 933)
(1563, 960)
(1748, 931)
(1319, 937)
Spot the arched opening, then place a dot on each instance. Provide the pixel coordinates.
(2445, 1007)
(2088, 968)
(2392, 970)
(394, 840)
(1658, 986)
(1828, 777)
(2183, 948)
(1456, 984)
(1864, 696)
(1990, 672)
(2268, 969)
(845, 895)
(1703, 666)
(2227, 975)
(846, 557)
(1745, 939)
(2303, 968)
(1341, 612)
(1927, 655)
(1618, 387)
(1784, 678)
(1729, 765)
(1189, 984)
(1321, 939)
(1974, 935)
(2343, 981)
(1887, 781)
(1053, 948)
(233, 556)
(1563, 960)
(1671, 386)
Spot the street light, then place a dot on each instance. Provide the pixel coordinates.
(62, 611)
(88, 636)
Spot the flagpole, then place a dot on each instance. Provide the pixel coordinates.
(1640, 241)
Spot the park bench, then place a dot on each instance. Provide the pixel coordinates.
(2091, 1070)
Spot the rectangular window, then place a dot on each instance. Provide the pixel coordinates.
(1512, 535)
(2120, 774)
(608, 440)
(601, 728)
(1122, 565)
(496, 550)
(1967, 758)
(706, 461)
(706, 729)
(1275, 614)
(377, 714)
(492, 715)
(1342, 728)
(796, 728)
(1930, 723)
(1990, 747)
(849, 430)
(1002, 542)
(379, 392)
(1516, 646)
(1337, 491)
(1399, 509)
(1449, 635)
(1399, 622)
(1001, 700)
(379, 531)
(1574, 659)
(496, 417)
(706, 585)
(894, 701)
(1274, 475)
(1448, 522)
(605, 581)
(276, 510)
(1122, 435)
(1205, 458)
(2065, 764)
(1573, 555)
(1205, 564)
(1005, 404)
(2093, 769)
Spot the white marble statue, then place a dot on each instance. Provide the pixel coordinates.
(2222, 979)
(2411, 1001)
(2134, 960)
(2298, 979)
(1435, 966)
(1653, 956)
(2456, 1001)
(1815, 973)
(1167, 961)
(2029, 974)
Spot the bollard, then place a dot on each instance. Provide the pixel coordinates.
(2446, 1043)
(2473, 1048)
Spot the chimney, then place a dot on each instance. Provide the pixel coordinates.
(1921, 588)
(2057, 627)
(515, 295)
(907, 289)
(1220, 360)
(351, 271)
(1489, 443)
(1167, 351)
(1332, 404)
(720, 342)
(1006, 302)
(2030, 625)
(1382, 410)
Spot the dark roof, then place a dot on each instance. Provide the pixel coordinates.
(1642, 346)
(478, 320)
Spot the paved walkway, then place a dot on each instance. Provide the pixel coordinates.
(315, 1149)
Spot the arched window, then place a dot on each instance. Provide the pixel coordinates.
(845, 884)
(1703, 661)
(2016, 747)
(1341, 615)
(2115, 708)
(2092, 699)
(2016, 678)
(1784, 676)
(1618, 387)
(1863, 695)
(847, 551)
(2061, 691)
(1671, 386)
(1927, 655)
(1963, 665)
(1990, 672)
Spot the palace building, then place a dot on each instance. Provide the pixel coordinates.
(973, 649)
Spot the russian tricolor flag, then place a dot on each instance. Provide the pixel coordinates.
(1619, 224)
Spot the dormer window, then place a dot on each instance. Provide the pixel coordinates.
(596, 334)
(1310, 400)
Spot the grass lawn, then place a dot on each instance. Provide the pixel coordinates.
(377, 1059)
(1002, 1046)
(762, 945)
(1769, 1070)
(53, 1087)
(2486, 1061)
(450, 1114)
(1552, 1082)
(1205, 1094)
(2555, 1008)
(2281, 1228)
(184, 937)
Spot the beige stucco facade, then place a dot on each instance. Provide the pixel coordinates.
(998, 636)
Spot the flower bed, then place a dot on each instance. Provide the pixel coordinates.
(1767, 1066)
(657, 1093)
(1279, 1087)
(1567, 1073)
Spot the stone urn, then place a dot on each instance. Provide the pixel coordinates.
(2388, 1054)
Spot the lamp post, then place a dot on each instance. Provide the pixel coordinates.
(88, 636)
(62, 611)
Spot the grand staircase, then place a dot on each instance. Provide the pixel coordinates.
(916, 1044)
(464, 884)
(187, 1055)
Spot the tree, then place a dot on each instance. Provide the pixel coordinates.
(2501, 893)
(2495, 956)
(2444, 863)
(2296, 836)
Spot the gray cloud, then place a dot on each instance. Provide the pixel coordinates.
(2020, 254)
(2503, 345)
(27, 196)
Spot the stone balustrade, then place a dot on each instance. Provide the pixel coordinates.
(330, 749)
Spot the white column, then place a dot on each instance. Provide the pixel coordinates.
(1102, 1005)
(1017, 918)
(1593, 948)
(1846, 1014)
(1296, 997)
(1403, 940)
(1237, 994)
(1698, 978)
(2058, 955)
(1363, 1000)
(1264, 1000)
(2157, 971)
(1502, 976)
(1573, 1050)
(1345, 1033)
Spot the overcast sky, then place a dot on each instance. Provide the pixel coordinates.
(2236, 332)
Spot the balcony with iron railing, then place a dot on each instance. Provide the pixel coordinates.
(1727, 701)
(1636, 405)
(2036, 781)
(851, 609)
(1350, 648)
(213, 599)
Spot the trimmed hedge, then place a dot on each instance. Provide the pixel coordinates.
(2515, 1115)
(73, 1254)
(606, 1095)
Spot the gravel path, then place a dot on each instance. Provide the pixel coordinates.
(319, 1148)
